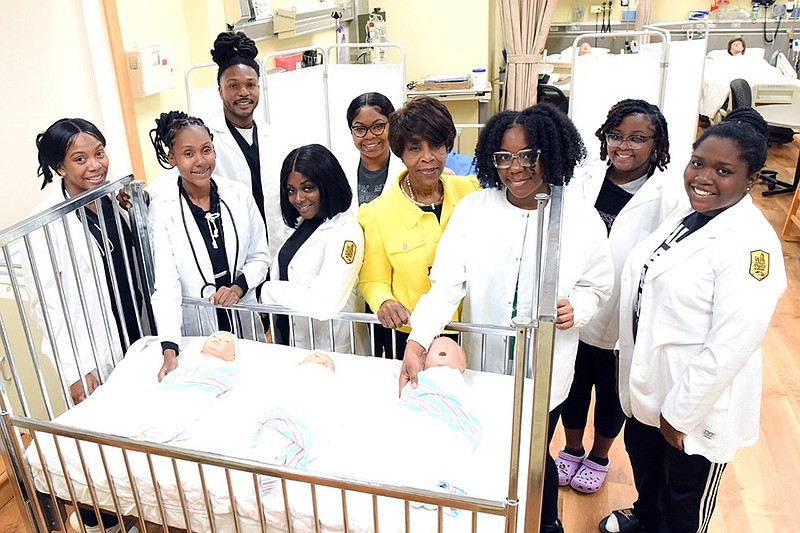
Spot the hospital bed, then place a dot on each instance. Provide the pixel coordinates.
(77, 456)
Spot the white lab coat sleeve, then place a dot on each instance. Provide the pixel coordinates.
(257, 259)
(168, 293)
(324, 294)
(596, 281)
(741, 312)
(448, 275)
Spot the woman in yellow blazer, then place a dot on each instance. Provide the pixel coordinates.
(403, 226)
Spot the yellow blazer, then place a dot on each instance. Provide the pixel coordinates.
(400, 242)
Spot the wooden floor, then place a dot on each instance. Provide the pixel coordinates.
(760, 490)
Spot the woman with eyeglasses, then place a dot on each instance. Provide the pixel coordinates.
(402, 227)
(486, 258)
(633, 194)
(368, 118)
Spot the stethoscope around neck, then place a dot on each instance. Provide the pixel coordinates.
(209, 285)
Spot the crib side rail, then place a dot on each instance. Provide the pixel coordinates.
(82, 484)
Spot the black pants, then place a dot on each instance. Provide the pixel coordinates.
(550, 490)
(677, 492)
(594, 367)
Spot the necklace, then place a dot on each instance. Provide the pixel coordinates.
(414, 199)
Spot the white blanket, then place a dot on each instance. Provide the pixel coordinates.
(352, 430)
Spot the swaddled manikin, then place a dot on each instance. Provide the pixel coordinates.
(288, 430)
(438, 411)
(188, 391)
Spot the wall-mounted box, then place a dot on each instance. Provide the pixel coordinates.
(150, 70)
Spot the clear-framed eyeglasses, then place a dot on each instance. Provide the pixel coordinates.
(361, 131)
(526, 158)
(634, 141)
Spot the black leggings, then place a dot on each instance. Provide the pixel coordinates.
(550, 490)
(594, 367)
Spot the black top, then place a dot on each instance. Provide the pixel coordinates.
(436, 210)
(370, 182)
(130, 298)
(251, 155)
(285, 255)
(611, 200)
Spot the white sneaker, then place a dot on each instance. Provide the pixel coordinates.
(117, 528)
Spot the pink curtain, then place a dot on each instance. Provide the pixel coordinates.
(642, 14)
(525, 25)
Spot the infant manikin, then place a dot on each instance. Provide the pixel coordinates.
(188, 391)
(438, 413)
(302, 416)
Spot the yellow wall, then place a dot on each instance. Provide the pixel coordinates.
(660, 10)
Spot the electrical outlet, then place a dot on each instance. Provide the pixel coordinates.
(795, 45)
(595, 8)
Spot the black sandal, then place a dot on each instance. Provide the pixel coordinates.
(621, 521)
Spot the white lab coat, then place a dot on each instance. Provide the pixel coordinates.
(350, 162)
(176, 273)
(322, 279)
(696, 358)
(98, 304)
(660, 195)
(232, 165)
(478, 259)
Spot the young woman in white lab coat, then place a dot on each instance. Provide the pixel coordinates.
(486, 256)
(633, 193)
(75, 149)
(316, 269)
(208, 240)
(376, 168)
(696, 298)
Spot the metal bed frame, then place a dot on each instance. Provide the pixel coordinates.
(533, 358)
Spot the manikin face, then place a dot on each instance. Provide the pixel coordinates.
(221, 345)
(522, 183)
(193, 154)
(629, 163)
(445, 351)
(85, 164)
(319, 358)
(737, 48)
(304, 195)
(716, 177)
(370, 145)
(238, 88)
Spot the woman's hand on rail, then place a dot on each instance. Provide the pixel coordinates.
(170, 363)
(565, 317)
(413, 362)
(226, 295)
(124, 199)
(393, 314)
(673, 437)
(76, 389)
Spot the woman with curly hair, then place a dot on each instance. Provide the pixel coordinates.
(486, 257)
(208, 239)
(631, 190)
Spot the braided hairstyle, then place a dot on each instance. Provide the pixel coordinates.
(747, 128)
(547, 129)
(234, 48)
(167, 127)
(53, 143)
(626, 108)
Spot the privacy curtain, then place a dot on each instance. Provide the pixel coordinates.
(642, 14)
(525, 25)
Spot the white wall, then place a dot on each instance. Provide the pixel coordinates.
(49, 73)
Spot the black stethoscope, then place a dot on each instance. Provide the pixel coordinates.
(206, 284)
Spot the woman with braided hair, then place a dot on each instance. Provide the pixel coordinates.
(486, 257)
(696, 297)
(208, 239)
(633, 194)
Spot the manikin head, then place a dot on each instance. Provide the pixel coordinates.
(444, 351)
(319, 358)
(221, 345)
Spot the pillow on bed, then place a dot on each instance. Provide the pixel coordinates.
(750, 53)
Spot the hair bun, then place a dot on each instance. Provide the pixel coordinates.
(229, 45)
(748, 116)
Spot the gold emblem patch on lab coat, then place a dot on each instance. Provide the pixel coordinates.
(759, 264)
(349, 252)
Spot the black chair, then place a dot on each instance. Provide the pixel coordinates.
(552, 95)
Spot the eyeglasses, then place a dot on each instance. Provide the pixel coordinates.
(526, 158)
(634, 141)
(361, 131)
